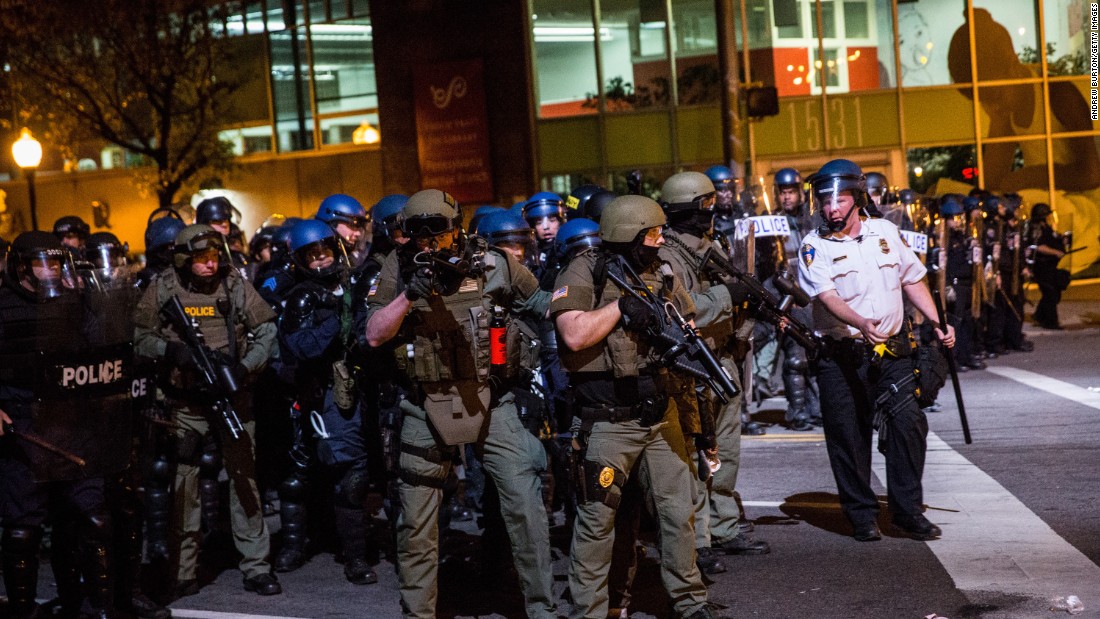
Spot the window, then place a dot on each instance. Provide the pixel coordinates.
(635, 56)
(1066, 25)
(565, 57)
(698, 78)
(923, 49)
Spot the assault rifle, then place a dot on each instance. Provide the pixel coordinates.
(470, 264)
(766, 306)
(215, 373)
(682, 348)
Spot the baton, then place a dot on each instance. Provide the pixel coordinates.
(950, 354)
(44, 444)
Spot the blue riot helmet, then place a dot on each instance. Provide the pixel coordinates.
(950, 207)
(577, 199)
(785, 179)
(834, 178)
(971, 203)
(576, 235)
(342, 208)
(280, 241)
(481, 213)
(992, 206)
(161, 233)
(543, 204)
(597, 203)
(719, 175)
(108, 258)
(878, 187)
(517, 208)
(386, 214)
(504, 230)
(908, 196)
(317, 252)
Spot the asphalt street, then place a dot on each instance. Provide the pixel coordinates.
(1018, 508)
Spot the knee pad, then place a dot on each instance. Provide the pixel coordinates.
(293, 489)
(352, 490)
(22, 540)
(189, 448)
(161, 470)
(795, 363)
(210, 462)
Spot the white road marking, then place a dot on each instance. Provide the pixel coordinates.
(1050, 385)
(993, 542)
(210, 614)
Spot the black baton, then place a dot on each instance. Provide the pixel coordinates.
(950, 354)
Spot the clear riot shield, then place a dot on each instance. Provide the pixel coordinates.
(743, 246)
(994, 235)
(939, 239)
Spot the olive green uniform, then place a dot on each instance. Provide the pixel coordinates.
(443, 348)
(716, 513)
(253, 329)
(619, 393)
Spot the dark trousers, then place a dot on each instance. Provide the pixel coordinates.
(966, 328)
(1046, 312)
(849, 386)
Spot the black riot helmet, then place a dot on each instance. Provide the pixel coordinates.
(71, 225)
(215, 209)
(36, 265)
(577, 199)
(597, 202)
(107, 258)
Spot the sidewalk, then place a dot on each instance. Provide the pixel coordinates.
(1079, 309)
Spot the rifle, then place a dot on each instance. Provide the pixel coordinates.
(683, 348)
(941, 315)
(767, 307)
(214, 372)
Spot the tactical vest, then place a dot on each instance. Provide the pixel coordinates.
(623, 353)
(208, 309)
(718, 334)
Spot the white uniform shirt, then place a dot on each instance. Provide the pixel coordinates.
(867, 272)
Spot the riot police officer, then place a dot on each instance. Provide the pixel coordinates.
(960, 279)
(277, 277)
(1050, 247)
(62, 362)
(315, 337)
(623, 402)
(72, 231)
(218, 213)
(727, 210)
(545, 213)
(688, 201)
(160, 238)
(350, 221)
(238, 328)
(437, 295)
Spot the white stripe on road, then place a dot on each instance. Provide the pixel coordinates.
(210, 614)
(993, 542)
(1048, 384)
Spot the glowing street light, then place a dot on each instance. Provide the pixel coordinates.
(28, 154)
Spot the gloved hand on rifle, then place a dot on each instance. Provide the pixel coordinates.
(420, 284)
(179, 355)
(236, 368)
(638, 315)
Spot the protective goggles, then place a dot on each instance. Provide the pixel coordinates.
(427, 225)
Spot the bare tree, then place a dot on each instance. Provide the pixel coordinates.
(151, 76)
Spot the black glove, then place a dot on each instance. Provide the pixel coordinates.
(738, 292)
(638, 315)
(179, 355)
(419, 285)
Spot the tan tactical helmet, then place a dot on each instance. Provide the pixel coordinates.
(429, 212)
(626, 216)
(194, 238)
(683, 191)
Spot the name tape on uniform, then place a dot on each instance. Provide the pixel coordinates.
(915, 240)
(764, 225)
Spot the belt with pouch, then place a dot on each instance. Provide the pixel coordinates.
(896, 346)
(649, 411)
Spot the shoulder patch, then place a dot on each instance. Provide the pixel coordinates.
(808, 253)
(269, 284)
(373, 289)
(884, 246)
(560, 293)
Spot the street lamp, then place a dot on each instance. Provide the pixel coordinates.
(28, 154)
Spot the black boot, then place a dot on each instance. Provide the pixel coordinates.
(65, 565)
(128, 546)
(351, 526)
(158, 505)
(20, 559)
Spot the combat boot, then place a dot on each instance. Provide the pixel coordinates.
(708, 562)
(351, 527)
(20, 561)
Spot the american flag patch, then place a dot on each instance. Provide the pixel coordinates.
(560, 293)
(373, 289)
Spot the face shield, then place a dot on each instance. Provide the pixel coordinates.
(110, 266)
(47, 273)
(835, 198)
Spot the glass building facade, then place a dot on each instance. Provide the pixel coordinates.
(942, 95)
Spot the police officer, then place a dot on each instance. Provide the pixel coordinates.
(727, 210)
(960, 280)
(73, 232)
(858, 271)
(217, 212)
(277, 277)
(51, 344)
(160, 238)
(621, 396)
(545, 213)
(315, 335)
(348, 219)
(238, 327)
(442, 314)
(1050, 247)
(688, 201)
(577, 200)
